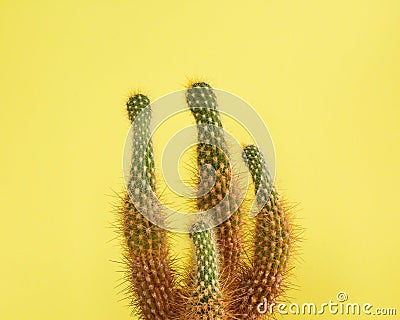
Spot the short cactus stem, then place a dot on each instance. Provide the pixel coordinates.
(206, 299)
(272, 241)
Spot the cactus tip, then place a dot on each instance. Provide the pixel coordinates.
(135, 104)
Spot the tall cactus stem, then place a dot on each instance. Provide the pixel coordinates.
(212, 151)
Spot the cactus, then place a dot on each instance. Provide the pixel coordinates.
(146, 248)
(206, 299)
(272, 241)
(219, 283)
(214, 152)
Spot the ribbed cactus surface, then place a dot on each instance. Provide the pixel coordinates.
(206, 298)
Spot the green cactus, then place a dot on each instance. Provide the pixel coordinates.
(220, 284)
(206, 298)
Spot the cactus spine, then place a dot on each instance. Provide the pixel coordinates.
(220, 285)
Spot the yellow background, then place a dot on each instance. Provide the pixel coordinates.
(324, 75)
